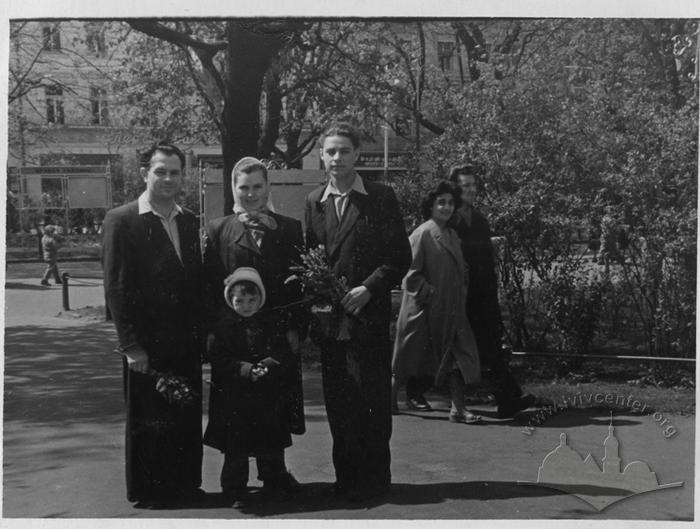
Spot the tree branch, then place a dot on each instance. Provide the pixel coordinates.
(160, 31)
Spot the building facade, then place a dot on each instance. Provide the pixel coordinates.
(71, 104)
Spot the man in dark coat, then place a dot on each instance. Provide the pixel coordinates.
(483, 310)
(361, 228)
(152, 277)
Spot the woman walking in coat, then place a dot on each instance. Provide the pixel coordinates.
(433, 335)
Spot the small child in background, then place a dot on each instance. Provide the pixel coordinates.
(252, 369)
(49, 245)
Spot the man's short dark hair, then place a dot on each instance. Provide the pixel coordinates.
(458, 169)
(444, 186)
(165, 148)
(341, 128)
(245, 288)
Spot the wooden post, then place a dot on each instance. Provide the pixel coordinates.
(64, 278)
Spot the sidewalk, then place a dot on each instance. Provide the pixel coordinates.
(63, 440)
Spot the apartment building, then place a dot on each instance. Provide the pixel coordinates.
(71, 107)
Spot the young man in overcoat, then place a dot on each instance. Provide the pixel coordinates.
(361, 228)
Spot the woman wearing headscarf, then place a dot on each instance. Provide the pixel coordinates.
(255, 236)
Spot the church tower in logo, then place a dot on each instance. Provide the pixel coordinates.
(611, 459)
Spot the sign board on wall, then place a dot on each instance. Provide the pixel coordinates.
(68, 187)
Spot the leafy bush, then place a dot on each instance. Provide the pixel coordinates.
(550, 165)
(573, 301)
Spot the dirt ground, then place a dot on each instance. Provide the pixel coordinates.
(63, 438)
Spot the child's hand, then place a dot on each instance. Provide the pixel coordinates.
(257, 372)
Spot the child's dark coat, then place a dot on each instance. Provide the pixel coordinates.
(245, 417)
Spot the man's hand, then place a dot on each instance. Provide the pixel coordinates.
(137, 359)
(355, 300)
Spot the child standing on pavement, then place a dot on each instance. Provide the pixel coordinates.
(49, 245)
(252, 368)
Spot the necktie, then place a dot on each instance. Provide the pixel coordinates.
(340, 202)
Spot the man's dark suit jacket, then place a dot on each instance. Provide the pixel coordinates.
(368, 247)
(156, 302)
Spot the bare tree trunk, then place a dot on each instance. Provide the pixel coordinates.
(250, 53)
(272, 117)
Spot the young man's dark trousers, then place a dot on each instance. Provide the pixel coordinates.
(357, 391)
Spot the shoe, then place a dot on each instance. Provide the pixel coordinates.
(368, 493)
(236, 498)
(510, 408)
(192, 496)
(285, 485)
(157, 500)
(59, 282)
(336, 490)
(151, 504)
(45, 282)
(466, 417)
(418, 403)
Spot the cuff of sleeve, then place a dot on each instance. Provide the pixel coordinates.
(269, 362)
(122, 349)
(246, 368)
(372, 284)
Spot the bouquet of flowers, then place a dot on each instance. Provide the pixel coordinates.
(324, 291)
(174, 389)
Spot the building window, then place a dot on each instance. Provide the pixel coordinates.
(98, 105)
(54, 105)
(445, 54)
(52, 38)
(95, 38)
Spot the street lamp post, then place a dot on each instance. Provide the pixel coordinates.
(386, 151)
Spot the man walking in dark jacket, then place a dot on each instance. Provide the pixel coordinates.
(483, 310)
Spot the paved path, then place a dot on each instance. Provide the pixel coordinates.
(63, 440)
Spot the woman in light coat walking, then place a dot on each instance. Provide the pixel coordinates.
(433, 335)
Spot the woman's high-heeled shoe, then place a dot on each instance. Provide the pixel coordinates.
(466, 417)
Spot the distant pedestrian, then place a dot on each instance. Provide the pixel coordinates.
(49, 246)
(253, 374)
